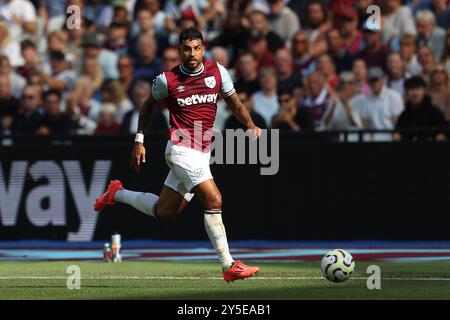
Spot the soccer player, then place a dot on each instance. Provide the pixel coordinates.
(190, 91)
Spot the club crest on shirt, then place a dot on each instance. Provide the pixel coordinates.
(210, 82)
(198, 173)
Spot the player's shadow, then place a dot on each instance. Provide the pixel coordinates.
(238, 293)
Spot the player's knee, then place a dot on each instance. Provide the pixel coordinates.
(165, 213)
(214, 201)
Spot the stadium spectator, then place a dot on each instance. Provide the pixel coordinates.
(158, 15)
(339, 10)
(327, 68)
(282, 20)
(259, 25)
(31, 57)
(141, 91)
(9, 105)
(303, 60)
(120, 11)
(408, 52)
(291, 118)
(439, 89)
(442, 12)
(247, 73)
(82, 123)
(317, 99)
(58, 41)
(286, 76)
(92, 69)
(429, 34)
(375, 53)
(170, 58)
(343, 112)
(127, 40)
(359, 69)
(232, 37)
(397, 21)
(116, 38)
(145, 26)
(126, 72)
(396, 74)
(352, 36)
(147, 65)
(419, 112)
(20, 15)
(427, 60)
(266, 101)
(81, 99)
(446, 52)
(9, 47)
(36, 82)
(17, 81)
(158, 121)
(112, 92)
(318, 25)
(380, 109)
(52, 14)
(92, 48)
(199, 11)
(53, 120)
(232, 123)
(342, 59)
(221, 55)
(100, 12)
(29, 117)
(61, 77)
(258, 46)
(107, 123)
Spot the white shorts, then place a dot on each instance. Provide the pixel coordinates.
(188, 168)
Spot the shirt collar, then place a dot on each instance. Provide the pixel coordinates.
(191, 73)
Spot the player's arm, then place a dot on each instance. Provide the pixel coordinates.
(240, 112)
(237, 107)
(159, 92)
(138, 155)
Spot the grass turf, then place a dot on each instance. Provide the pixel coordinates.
(176, 280)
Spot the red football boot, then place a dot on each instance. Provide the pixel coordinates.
(238, 271)
(107, 199)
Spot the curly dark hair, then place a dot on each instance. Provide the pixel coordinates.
(190, 34)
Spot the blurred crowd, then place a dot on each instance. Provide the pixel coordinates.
(86, 66)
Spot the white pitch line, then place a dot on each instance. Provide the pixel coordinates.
(206, 278)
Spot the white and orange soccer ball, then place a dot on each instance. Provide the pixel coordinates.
(337, 265)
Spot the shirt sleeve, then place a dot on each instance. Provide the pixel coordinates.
(159, 88)
(28, 13)
(227, 88)
(397, 104)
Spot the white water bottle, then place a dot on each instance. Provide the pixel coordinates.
(116, 246)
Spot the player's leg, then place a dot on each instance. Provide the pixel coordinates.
(170, 204)
(211, 198)
(173, 198)
(163, 207)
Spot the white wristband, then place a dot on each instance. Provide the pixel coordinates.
(139, 138)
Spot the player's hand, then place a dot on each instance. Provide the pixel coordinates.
(138, 155)
(255, 133)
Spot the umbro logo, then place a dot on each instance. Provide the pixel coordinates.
(181, 88)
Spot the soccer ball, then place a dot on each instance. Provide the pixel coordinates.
(337, 265)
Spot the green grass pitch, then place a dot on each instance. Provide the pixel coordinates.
(192, 281)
